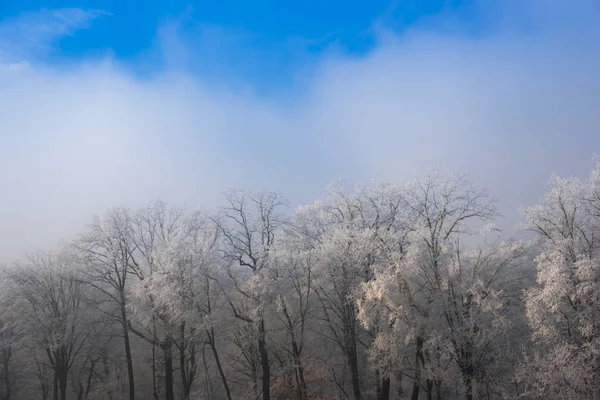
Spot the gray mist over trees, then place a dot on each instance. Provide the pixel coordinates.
(384, 292)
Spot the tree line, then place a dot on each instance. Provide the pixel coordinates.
(385, 292)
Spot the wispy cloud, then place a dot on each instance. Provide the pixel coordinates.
(29, 33)
(507, 108)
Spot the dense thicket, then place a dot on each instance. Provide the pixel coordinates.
(388, 292)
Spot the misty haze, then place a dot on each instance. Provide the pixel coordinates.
(395, 199)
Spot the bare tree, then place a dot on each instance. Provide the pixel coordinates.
(107, 252)
(50, 312)
(249, 224)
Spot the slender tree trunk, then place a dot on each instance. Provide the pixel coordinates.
(399, 389)
(264, 361)
(55, 386)
(188, 370)
(88, 384)
(302, 389)
(429, 385)
(154, 340)
(168, 355)
(208, 383)
(213, 347)
(62, 383)
(468, 372)
(417, 380)
(385, 389)
(469, 387)
(127, 348)
(184, 381)
(353, 365)
(351, 350)
(415, 391)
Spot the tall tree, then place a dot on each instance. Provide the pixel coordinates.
(563, 310)
(48, 310)
(107, 251)
(249, 224)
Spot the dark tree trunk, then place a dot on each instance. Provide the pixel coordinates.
(468, 372)
(186, 383)
(353, 364)
(415, 391)
(60, 374)
(385, 389)
(399, 389)
(55, 386)
(302, 389)
(351, 350)
(154, 340)
(88, 384)
(418, 362)
(187, 366)
(127, 348)
(213, 347)
(264, 361)
(62, 383)
(469, 387)
(429, 385)
(168, 356)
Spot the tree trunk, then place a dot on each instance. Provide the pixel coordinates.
(184, 381)
(55, 386)
(168, 355)
(127, 348)
(207, 381)
(385, 389)
(469, 387)
(213, 347)
(88, 384)
(468, 372)
(353, 364)
(62, 383)
(264, 361)
(400, 389)
(429, 385)
(350, 349)
(154, 340)
(187, 369)
(302, 389)
(418, 359)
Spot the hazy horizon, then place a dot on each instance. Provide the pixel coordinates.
(504, 92)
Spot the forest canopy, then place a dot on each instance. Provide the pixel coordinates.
(384, 292)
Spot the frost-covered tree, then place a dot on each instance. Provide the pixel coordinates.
(346, 232)
(250, 223)
(106, 252)
(564, 309)
(443, 304)
(48, 311)
(179, 263)
(153, 231)
(291, 277)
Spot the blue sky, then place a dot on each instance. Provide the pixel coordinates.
(260, 42)
(130, 27)
(120, 102)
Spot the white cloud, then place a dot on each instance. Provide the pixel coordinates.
(507, 108)
(32, 33)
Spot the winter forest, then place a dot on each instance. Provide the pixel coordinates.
(384, 292)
